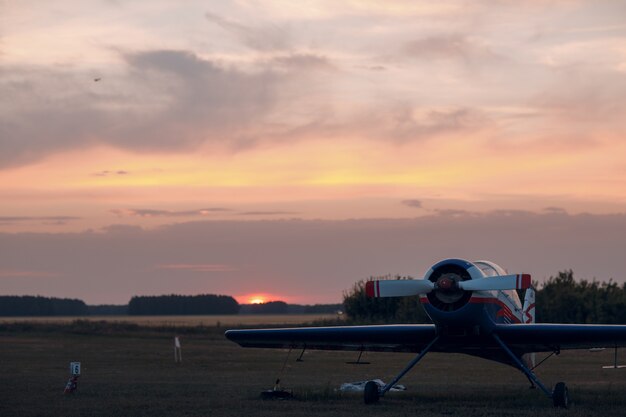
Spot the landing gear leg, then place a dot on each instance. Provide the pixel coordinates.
(372, 392)
(559, 396)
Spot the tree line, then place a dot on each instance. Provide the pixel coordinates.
(182, 305)
(26, 305)
(153, 305)
(560, 299)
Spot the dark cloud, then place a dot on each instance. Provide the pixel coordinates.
(316, 260)
(168, 100)
(49, 111)
(207, 103)
(555, 210)
(176, 101)
(107, 173)
(267, 38)
(511, 213)
(27, 274)
(586, 98)
(58, 220)
(455, 213)
(453, 46)
(405, 122)
(167, 213)
(122, 229)
(303, 62)
(412, 203)
(198, 267)
(268, 213)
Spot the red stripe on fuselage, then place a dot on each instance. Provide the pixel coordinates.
(505, 310)
(528, 316)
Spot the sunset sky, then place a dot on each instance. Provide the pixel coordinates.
(286, 150)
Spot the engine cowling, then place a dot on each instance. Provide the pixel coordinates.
(446, 276)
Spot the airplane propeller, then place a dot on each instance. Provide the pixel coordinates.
(398, 288)
(501, 282)
(447, 282)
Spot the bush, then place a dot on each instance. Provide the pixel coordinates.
(363, 309)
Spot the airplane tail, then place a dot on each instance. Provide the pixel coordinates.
(528, 311)
(528, 317)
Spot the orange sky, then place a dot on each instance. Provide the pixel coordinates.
(269, 111)
(103, 185)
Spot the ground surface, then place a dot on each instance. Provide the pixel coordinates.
(212, 320)
(132, 373)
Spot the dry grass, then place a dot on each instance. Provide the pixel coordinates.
(133, 374)
(206, 320)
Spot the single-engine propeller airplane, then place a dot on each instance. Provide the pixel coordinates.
(475, 310)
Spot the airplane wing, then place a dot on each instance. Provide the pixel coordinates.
(547, 337)
(383, 338)
(521, 338)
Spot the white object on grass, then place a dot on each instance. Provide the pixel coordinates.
(360, 386)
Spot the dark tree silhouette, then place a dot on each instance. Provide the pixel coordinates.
(27, 305)
(182, 305)
(363, 309)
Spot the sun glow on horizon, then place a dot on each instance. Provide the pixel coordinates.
(260, 298)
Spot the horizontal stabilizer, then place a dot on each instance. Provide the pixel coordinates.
(501, 282)
(398, 288)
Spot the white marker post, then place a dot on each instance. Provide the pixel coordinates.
(72, 384)
(615, 365)
(75, 368)
(178, 353)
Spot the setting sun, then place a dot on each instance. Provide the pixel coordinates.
(256, 300)
(261, 298)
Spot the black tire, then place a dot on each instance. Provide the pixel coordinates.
(370, 394)
(560, 396)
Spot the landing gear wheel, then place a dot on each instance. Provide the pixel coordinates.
(370, 394)
(560, 396)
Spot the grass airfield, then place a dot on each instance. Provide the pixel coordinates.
(131, 372)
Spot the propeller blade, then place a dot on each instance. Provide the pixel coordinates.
(398, 288)
(502, 282)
